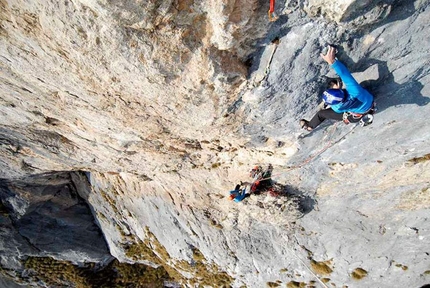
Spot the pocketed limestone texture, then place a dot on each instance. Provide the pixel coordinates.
(124, 124)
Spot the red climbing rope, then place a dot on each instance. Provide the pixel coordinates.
(312, 157)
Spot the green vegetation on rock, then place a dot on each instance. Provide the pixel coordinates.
(272, 284)
(204, 273)
(322, 267)
(421, 159)
(358, 273)
(57, 273)
(295, 284)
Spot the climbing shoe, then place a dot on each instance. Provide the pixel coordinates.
(304, 124)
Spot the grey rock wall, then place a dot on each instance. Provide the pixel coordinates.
(44, 216)
(166, 105)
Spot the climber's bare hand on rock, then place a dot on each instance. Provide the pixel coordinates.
(330, 57)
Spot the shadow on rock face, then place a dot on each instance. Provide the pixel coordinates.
(302, 202)
(277, 30)
(49, 218)
(388, 93)
(305, 203)
(385, 89)
(398, 11)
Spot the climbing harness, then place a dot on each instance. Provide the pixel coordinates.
(272, 14)
(363, 119)
(259, 175)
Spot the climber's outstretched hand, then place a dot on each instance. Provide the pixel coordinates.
(330, 57)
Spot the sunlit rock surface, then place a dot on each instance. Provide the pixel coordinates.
(133, 120)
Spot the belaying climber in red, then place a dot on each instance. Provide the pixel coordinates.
(261, 182)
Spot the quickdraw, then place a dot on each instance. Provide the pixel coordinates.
(272, 15)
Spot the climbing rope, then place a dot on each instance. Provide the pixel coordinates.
(329, 144)
(303, 263)
(312, 157)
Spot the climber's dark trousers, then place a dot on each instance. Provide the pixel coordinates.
(323, 115)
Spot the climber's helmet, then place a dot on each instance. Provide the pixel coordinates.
(333, 96)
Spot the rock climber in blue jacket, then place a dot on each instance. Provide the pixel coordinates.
(349, 105)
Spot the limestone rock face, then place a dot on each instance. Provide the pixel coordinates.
(140, 77)
(126, 123)
(44, 222)
(347, 10)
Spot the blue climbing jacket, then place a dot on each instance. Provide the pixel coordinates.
(238, 194)
(358, 100)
